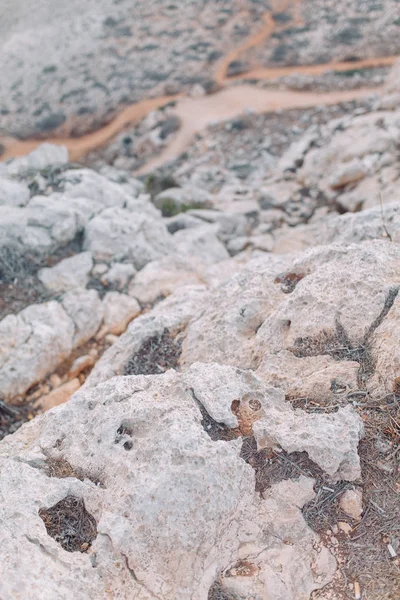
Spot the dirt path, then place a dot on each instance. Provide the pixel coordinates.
(198, 113)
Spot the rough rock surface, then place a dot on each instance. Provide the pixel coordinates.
(205, 488)
(68, 274)
(255, 389)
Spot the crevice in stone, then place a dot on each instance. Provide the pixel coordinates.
(70, 524)
(339, 346)
(156, 355)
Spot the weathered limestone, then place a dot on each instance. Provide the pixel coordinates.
(209, 515)
(68, 274)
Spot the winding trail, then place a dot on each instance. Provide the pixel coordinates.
(198, 113)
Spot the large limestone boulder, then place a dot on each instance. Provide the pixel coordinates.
(123, 491)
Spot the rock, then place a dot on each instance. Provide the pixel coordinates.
(13, 193)
(80, 364)
(99, 270)
(351, 503)
(385, 352)
(345, 229)
(330, 440)
(85, 183)
(68, 274)
(181, 221)
(58, 396)
(348, 173)
(225, 331)
(162, 277)
(117, 234)
(119, 275)
(345, 527)
(322, 314)
(237, 245)
(86, 310)
(32, 344)
(41, 158)
(201, 243)
(320, 379)
(42, 227)
(210, 511)
(171, 315)
(55, 380)
(119, 310)
(175, 200)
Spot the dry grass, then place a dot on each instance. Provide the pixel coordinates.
(216, 592)
(158, 354)
(70, 524)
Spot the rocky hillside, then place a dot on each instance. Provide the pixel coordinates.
(218, 342)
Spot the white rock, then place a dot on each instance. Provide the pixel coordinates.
(43, 156)
(119, 275)
(330, 440)
(172, 314)
(86, 310)
(351, 503)
(162, 277)
(119, 310)
(32, 344)
(348, 173)
(201, 243)
(225, 331)
(13, 193)
(117, 234)
(68, 274)
(187, 498)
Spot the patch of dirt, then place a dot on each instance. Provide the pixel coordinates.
(70, 524)
(157, 354)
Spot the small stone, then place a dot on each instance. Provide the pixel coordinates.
(119, 275)
(68, 274)
(345, 527)
(351, 503)
(80, 364)
(55, 380)
(111, 338)
(119, 310)
(58, 396)
(99, 269)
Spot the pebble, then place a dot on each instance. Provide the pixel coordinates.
(58, 396)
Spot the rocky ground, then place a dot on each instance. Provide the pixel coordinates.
(68, 68)
(200, 366)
